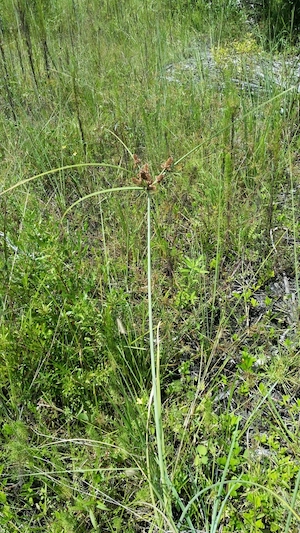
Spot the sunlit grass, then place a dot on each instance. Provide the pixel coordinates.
(102, 430)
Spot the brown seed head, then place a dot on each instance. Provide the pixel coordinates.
(159, 178)
(136, 160)
(167, 165)
(145, 175)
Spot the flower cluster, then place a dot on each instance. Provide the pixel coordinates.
(144, 178)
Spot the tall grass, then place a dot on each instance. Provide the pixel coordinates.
(149, 365)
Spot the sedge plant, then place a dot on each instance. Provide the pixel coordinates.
(162, 489)
(144, 182)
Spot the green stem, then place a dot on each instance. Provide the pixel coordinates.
(155, 373)
(292, 508)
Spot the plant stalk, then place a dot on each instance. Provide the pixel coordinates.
(155, 376)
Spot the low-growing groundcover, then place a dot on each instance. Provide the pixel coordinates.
(89, 104)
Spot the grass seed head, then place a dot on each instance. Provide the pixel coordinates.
(167, 165)
(136, 161)
(159, 178)
(145, 174)
(137, 181)
(144, 178)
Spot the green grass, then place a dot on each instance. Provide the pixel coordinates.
(149, 351)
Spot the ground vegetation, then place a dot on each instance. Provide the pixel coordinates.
(149, 255)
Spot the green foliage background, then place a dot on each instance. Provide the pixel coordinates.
(84, 84)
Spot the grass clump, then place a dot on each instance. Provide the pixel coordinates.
(149, 348)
